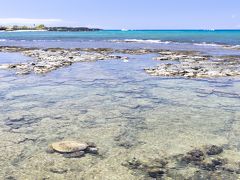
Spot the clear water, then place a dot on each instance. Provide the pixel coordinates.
(101, 101)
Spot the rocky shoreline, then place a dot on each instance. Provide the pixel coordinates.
(189, 64)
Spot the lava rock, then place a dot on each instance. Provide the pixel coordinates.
(156, 172)
(214, 150)
(193, 156)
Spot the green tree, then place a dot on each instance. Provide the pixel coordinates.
(24, 27)
(41, 26)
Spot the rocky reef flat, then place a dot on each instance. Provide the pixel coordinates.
(47, 60)
(195, 65)
(189, 64)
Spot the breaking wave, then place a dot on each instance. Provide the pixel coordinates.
(142, 41)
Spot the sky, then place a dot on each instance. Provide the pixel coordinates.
(124, 14)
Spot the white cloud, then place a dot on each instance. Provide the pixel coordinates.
(28, 21)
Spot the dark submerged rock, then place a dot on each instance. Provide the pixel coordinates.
(152, 168)
(207, 166)
(214, 165)
(194, 156)
(156, 172)
(134, 164)
(214, 150)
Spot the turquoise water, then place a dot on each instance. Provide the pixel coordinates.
(230, 37)
(213, 42)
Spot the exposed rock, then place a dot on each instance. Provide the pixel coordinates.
(195, 65)
(189, 64)
(47, 60)
(193, 68)
(180, 56)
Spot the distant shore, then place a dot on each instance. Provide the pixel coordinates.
(43, 28)
(23, 31)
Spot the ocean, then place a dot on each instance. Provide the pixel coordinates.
(144, 126)
(204, 37)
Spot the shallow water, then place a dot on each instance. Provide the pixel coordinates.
(119, 107)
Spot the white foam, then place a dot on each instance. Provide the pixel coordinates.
(151, 41)
(218, 45)
(236, 46)
(42, 40)
(208, 44)
(142, 41)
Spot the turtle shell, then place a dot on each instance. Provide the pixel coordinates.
(69, 146)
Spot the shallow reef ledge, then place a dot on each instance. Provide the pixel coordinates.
(188, 64)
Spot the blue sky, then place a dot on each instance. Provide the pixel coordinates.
(129, 14)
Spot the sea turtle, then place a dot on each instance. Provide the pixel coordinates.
(72, 149)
